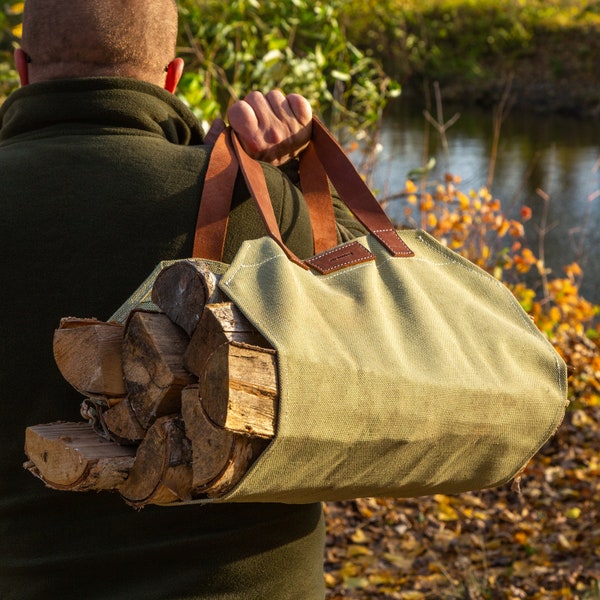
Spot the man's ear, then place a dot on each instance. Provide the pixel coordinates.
(174, 73)
(22, 65)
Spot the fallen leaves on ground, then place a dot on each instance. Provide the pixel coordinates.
(539, 542)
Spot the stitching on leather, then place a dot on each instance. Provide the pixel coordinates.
(367, 256)
(341, 265)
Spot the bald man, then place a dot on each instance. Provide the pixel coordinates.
(101, 170)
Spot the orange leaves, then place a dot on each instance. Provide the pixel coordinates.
(521, 537)
(525, 260)
(463, 201)
(444, 510)
(410, 187)
(583, 357)
(573, 271)
(526, 213)
(470, 223)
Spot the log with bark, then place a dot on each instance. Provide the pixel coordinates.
(220, 458)
(72, 456)
(236, 369)
(220, 323)
(238, 388)
(172, 418)
(120, 423)
(162, 471)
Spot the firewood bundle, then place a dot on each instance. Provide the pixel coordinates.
(179, 401)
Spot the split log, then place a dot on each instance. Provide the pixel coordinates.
(72, 456)
(153, 368)
(88, 355)
(220, 458)
(121, 423)
(238, 388)
(183, 289)
(220, 323)
(162, 471)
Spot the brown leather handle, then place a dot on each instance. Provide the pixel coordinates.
(317, 194)
(257, 186)
(215, 202)
(354, 192)
(324, 155)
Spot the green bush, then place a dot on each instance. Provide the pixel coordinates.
(10, 19)
(298, 46)
(466, 40)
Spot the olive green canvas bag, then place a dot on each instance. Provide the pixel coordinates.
(404, 370)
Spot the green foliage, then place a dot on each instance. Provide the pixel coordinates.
(340, 53)
(469, 39)
(234, 47)
(10, 29)
(445, 38)
(298, 46)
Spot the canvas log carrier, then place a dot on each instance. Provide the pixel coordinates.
(401, 369)
(404, 369)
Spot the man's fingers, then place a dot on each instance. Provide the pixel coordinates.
(257, 102)
(245, 122)
(301, 108)
(242, 117)
(274, 115)
(272, 127)
(281, 108)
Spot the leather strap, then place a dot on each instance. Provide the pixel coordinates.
(215, 202)
(354, 192)
(317, 193)
(257, 186)
(322, 159)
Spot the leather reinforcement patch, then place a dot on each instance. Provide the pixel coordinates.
(393, 242)
(340, 257)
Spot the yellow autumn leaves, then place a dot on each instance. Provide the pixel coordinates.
(464, 221)
(15, 9)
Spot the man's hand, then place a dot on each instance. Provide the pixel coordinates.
(272, 127)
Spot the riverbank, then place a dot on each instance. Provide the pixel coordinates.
(546, 50)
(554, 76)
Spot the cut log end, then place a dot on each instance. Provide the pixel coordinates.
(162, 472)
(183, 289)
(121, 423)
(88, 355)
(153, 367)
(239, 389)
(185, 418)
(221, 458)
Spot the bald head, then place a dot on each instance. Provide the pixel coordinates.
(85, 38)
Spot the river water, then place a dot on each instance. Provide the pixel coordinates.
(556, 154)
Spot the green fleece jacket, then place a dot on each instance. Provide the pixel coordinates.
(100, 179)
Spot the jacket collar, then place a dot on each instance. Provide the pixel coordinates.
(98, 105)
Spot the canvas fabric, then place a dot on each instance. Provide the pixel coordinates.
(398, 377)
